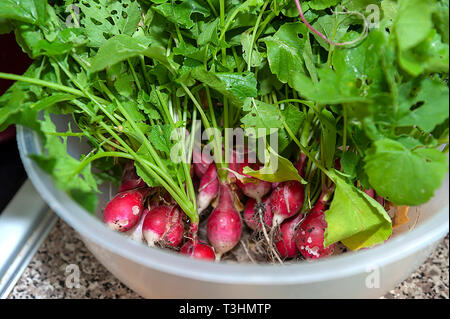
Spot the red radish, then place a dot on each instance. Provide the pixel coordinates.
(380, 200)
(135, 233)
(224, 226)
(209, 187)
(163, 223)
(237, 162)
(275, 185)
(124, 210)
(311, 233)
(237, 158)
(337, 164)
(200, 162)
(286, 200)
(322, 202)
(285, 240)
(301, 164)
(130, 179)
(252, 187)
(253, 212)
(370, 192)
(198, 250)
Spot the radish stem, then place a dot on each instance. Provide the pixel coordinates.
(323, 37)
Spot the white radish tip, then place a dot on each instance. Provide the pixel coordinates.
(118, 225)
(277, 220)
(151, 237)
(136, 236)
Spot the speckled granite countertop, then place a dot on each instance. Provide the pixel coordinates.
(45, 276)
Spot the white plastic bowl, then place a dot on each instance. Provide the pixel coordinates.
(156, 273)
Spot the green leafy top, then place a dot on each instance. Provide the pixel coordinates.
(130, 72)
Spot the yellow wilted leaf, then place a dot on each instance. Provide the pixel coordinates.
(401, 216)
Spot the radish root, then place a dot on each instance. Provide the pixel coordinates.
(269, 242)
(247, 252)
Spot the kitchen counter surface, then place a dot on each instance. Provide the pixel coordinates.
(46, 275)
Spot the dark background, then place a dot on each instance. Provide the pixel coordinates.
(12, 174)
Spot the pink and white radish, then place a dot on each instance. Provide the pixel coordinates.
(285, 239)
(198, 250)
(209, 188)
(275, 185)
(135, 233)
(310, 235)
(286, 200)
(224, 226)
(253, 212)
(130, 179)
(250, 186)
(125, 209)
(163, 224)
(301, 164)
(200, 162)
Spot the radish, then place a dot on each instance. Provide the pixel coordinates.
(163, 224)
(200, 162)
(380, 200)
(250, 186)
(253, 211)
(370, 192)
(209, 187)
(337, 164)
(286, 200)
(301, 164)
(198, 250)
(311, 232)
(135, 233)
(224, 227)
(236, 159)
(125, 210)
(322, 202)
(285, 240)
(130, 179)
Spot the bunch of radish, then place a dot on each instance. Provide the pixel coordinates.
(151, 216)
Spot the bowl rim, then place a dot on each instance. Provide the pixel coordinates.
(334, 267)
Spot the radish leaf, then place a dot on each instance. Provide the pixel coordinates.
(284, 51)
(413, 22)
(355, 218)
(277, 169)
(391, 168)
(433, 106)
(122, 47)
